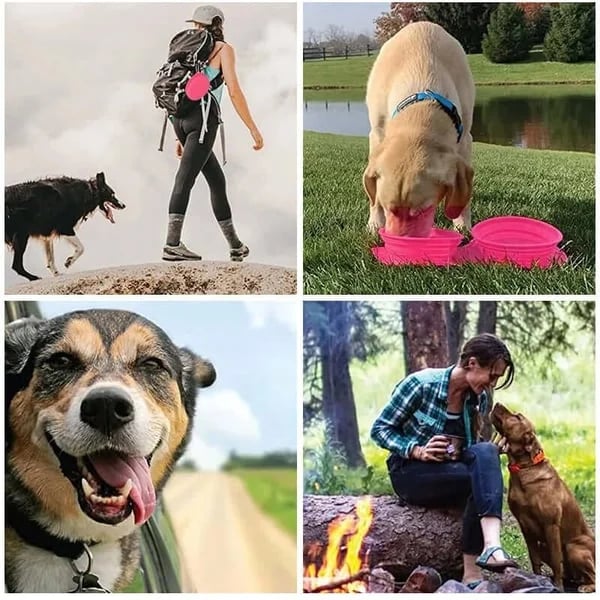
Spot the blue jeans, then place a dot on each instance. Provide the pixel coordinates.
(473, 482)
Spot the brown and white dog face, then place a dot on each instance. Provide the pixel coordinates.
(99, 407)
(518, 431)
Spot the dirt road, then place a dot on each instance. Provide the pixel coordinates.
(227, 544)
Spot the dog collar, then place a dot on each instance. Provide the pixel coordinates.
(444, 103)
(537, 459)
(35, 535)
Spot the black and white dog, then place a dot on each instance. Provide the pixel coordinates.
(50, 208)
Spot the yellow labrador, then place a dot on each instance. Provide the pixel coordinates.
(420, 97)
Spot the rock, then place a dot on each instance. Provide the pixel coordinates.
(422, 580)
(381, 581)
(516, 579)
(197, 277)
(453, 587)
(488, 587)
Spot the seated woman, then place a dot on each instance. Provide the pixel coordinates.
(431, 426)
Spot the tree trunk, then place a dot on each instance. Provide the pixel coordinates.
(488, 311)
(339, 409)
(426, 335)
(400, 537)
(456, 319)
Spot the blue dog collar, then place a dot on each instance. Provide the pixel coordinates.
(444, 103)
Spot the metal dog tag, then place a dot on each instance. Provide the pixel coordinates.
(86, 581)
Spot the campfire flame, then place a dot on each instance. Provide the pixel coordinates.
(342, 556)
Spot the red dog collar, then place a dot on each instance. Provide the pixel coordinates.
(537, 459)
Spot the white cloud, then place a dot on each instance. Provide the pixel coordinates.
(207, 457)
(226, 414)
(260, 313)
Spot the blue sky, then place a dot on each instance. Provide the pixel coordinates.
(251, 408)
(354, 17)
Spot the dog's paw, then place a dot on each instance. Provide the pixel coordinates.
(69, 262)
(586, 589)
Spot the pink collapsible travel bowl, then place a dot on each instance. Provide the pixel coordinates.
(521, 241)
(197, 86)
(437, 249)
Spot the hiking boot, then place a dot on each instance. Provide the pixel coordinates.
(179, 252)
(238, 254)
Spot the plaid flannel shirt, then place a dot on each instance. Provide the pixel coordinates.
(417, 411)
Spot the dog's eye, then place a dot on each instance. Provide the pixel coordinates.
(152, 364)
(61, 360)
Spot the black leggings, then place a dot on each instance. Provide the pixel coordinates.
(199, 157)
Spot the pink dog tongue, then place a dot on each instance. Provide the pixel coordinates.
(108, 214)
(115, 470)
(404, 223)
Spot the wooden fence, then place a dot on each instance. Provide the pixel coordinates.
(324, 53)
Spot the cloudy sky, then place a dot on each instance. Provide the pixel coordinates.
(78, 100)
(251, 408)
(354, 17)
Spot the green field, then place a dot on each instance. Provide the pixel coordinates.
(353, 72)
(557, 187)
(561, 407)
(274, 491)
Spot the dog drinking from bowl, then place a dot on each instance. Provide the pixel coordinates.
(420, 97)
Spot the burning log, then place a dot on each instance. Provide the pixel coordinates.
(399, 539)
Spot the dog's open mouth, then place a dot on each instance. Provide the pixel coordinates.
(106, 208)
(109, 485)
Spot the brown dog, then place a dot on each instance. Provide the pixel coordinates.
(551, 521)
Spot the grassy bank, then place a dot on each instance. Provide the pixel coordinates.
(557, 187)
(274, 492)
(353, 72)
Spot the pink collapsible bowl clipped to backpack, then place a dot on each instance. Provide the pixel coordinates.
(197, 86)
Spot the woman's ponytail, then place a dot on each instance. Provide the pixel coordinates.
(216, 29)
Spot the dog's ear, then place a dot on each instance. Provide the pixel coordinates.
(20, 337)
(459, 194)
(370, 182)
(100, 179)
(197, 372)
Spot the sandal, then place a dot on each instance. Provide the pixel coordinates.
(473, 584)
(238, 254)
(496, 566)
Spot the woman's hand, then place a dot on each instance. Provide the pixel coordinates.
(257, 137)
(433, 451)
(501, 442)
(178, 149)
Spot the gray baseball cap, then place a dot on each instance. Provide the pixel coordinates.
(205, 15)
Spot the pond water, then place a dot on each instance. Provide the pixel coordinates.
(550, 117)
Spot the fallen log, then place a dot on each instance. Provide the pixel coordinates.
(400, 538)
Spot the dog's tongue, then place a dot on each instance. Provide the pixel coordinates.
(108, 212)
(412, 223)
(115, 470)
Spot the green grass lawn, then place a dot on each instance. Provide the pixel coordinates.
(557, 187)
(353, 73)
(274, 491)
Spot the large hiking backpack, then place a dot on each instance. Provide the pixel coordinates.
(189, 52)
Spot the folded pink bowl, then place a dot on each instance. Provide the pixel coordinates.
(437, 249)
(518, 240)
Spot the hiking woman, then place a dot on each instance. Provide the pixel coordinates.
(196, 133)
(432, 426)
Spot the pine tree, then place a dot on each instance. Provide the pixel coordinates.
(572, 33)
(508, 37)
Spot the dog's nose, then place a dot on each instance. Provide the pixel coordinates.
(107, 409)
